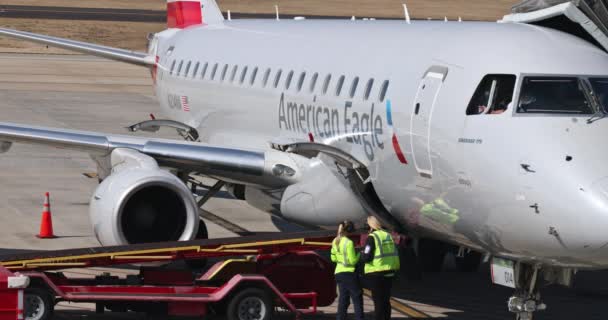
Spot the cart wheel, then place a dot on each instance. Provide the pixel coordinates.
(250, 304)
(38, 304)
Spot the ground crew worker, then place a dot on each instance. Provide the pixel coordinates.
(381, 259)
(346, 259)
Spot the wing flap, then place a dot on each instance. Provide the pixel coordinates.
(133, 57)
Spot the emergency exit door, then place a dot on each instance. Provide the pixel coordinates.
(422, 113)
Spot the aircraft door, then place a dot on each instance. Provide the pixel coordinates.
(422, 113)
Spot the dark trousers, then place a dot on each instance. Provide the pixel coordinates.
(349, 288)
(381, 294)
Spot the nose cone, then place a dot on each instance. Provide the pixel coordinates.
(600, 195)
(593, 224)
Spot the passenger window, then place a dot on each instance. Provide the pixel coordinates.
(301, 81)
(224, 71)
(288, 80)
(253, 76)
(187, 69)
(339, 86)
(179, 69)
(493, 95)
(353, 87)
(204, 71)
(172, 67)
(383, 91)
(243, 74)
(554, 95)
(326, 83)
(368, 88)
(277, 78)
(213, 71)
(266, 76)
(196, 66)
(313, 82)
(233, 74)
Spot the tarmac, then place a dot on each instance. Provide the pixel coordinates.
(85, 93)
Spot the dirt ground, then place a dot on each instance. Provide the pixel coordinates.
(132, 35)
(419, 9)
(128, 35)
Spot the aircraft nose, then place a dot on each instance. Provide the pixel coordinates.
(598, 215)
(600, 193)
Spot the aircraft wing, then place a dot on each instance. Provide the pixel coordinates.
(243, 165)
(132, 57)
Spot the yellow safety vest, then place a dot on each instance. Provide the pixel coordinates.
(344, 255)
(386, 255)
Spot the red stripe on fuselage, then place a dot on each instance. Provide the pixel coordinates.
(182, 14)
(155, 70)
(397, 148)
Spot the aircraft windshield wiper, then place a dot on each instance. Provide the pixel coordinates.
(596, 117)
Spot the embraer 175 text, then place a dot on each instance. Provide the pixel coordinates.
(446, 130)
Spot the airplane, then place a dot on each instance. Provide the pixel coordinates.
(474, 135)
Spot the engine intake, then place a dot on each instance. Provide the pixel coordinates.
(140, 203)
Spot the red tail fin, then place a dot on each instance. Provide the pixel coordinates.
(184, 13)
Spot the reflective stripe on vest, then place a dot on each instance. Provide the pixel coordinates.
(345, 255)
(388, 239)
(343, 262)
(383, 261)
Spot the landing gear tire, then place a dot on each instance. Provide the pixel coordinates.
(525, 301)
(469, 262)
(39, 304)
(250, 304)
(202, 234)
(431, 254)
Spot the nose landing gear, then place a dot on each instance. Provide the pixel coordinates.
(526, 301)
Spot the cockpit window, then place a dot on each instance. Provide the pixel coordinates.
(555, 95)
(600, 89)
(493, 95)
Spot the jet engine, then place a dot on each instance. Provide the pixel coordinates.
(140, 203)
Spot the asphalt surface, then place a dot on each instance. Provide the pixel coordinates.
(69, 13)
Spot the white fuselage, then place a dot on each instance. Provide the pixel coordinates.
(472, 163)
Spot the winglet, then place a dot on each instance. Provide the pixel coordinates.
(184, 13)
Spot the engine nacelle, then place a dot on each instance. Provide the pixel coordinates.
(141, 203)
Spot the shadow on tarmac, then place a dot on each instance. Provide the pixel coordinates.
(466, 296)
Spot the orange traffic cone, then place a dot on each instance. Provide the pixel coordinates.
(46, 223)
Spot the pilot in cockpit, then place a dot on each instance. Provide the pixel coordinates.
(525, 102)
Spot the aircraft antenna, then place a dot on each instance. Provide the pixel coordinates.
(276, 10)
(229, 16)
(407, 14)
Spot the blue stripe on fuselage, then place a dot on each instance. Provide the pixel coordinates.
(389, 117)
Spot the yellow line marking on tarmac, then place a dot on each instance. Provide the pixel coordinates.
(402, 307)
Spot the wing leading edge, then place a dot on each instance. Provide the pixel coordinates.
(171, 153)
(133, 57)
